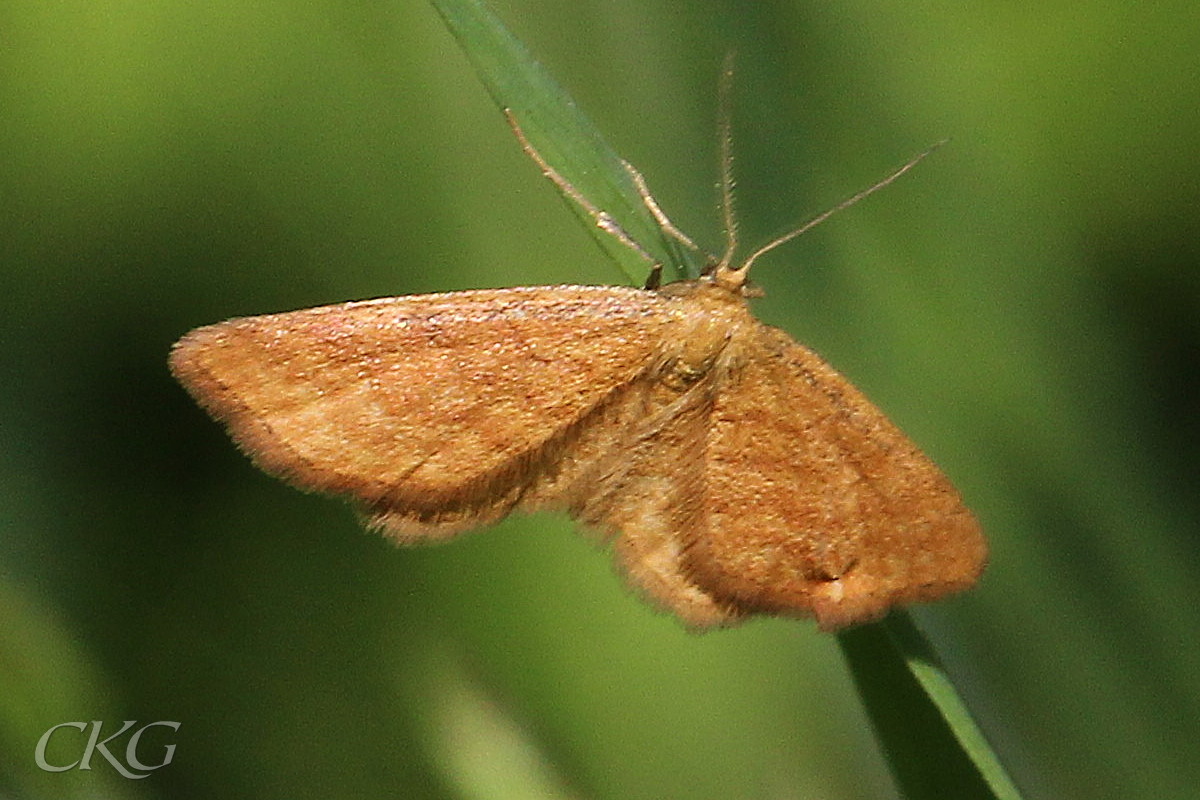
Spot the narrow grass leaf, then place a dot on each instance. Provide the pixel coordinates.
(564, 136)
(933, 745)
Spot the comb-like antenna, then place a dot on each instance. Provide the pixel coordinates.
(725, 136)
(787, 237)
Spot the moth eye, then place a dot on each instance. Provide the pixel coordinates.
(680, 375)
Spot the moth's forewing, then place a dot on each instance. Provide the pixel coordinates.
(433, 411)
(817, 504)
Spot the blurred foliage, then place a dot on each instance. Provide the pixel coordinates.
(1025, 306)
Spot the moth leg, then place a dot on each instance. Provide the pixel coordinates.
(604, 220)
(660, 216)
(664, 222)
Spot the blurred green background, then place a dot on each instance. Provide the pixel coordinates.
(1026, 305)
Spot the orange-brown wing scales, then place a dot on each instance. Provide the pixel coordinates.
(642, 482)
(435, 411)
(737, 472)
(816, 504)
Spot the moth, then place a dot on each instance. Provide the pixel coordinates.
(732, 469)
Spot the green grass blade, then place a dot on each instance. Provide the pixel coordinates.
(565, 137)
(932, 744)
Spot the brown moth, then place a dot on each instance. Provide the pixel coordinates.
(735, 471)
